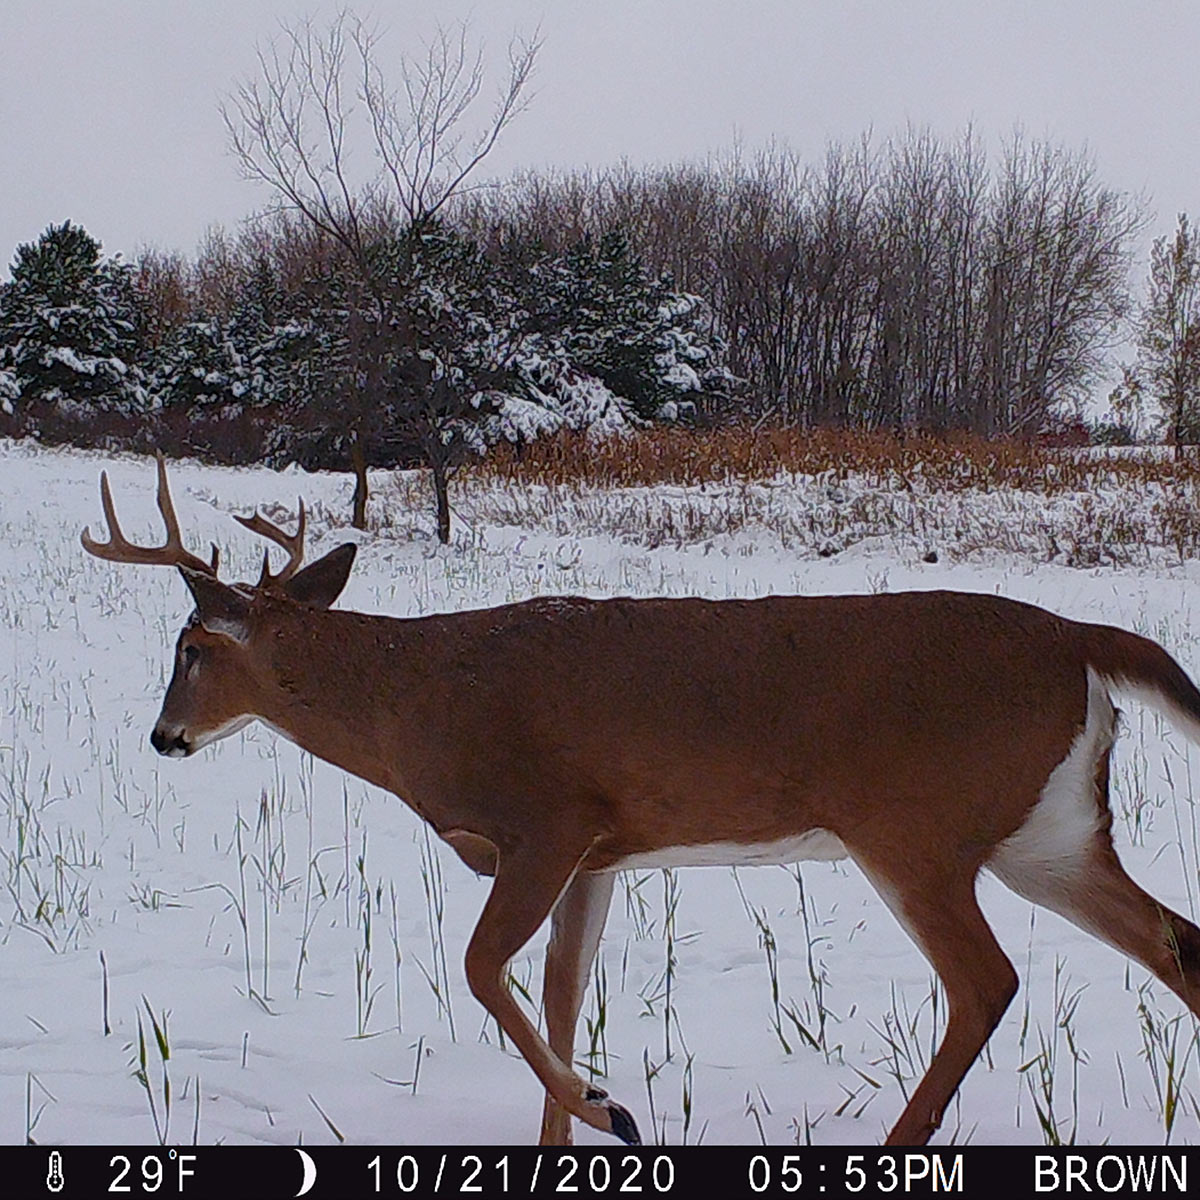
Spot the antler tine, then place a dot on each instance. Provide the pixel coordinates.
(119, 549)
(292, 543)
(115, 539)
(167, 507)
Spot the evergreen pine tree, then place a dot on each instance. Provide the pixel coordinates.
(68, 336)
(595, 311)
(225, 382)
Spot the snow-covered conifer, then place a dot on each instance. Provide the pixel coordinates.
(68, 336)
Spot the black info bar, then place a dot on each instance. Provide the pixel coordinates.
(270, 1172)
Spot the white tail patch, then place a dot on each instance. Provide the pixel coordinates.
(1054, 839)
(1151, 697)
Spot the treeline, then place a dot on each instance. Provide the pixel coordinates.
(913, 285)
(909, 285)
(273, 344)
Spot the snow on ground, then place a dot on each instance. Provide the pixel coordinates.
(298, 939)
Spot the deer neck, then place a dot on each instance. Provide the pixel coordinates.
(342, 685)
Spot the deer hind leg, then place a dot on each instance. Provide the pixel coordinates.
(1087, 884)
(529, 882)
(577, 924)
(936, 905)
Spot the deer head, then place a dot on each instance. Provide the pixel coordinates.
(212, 688)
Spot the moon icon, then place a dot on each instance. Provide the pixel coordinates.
(310, 1172)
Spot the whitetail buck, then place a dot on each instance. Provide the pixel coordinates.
(551, 743)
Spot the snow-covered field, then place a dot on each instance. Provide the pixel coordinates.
(297, 938)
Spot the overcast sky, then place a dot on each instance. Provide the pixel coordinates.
(109, 109)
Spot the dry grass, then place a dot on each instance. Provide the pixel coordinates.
(824, 491)
(955, 462)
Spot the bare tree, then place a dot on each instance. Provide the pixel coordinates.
(162, 284)
(1057, 294)
(1168, 334)
(419, 131)
(317, 93)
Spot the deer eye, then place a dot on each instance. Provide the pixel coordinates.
(191, 655)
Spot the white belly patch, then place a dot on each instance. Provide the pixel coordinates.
(815, 844)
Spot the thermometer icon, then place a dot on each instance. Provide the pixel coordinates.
(54, 1180)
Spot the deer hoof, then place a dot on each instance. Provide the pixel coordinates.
(621, 1122)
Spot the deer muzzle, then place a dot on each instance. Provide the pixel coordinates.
(170, 741)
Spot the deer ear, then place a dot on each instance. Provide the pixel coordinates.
(321, 582)
(221, 609)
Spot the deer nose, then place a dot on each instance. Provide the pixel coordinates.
(168, 742)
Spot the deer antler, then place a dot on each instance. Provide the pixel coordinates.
(292, 543)
(118, 549)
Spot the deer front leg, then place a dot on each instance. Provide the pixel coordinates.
(529, 881)
(576, 927)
